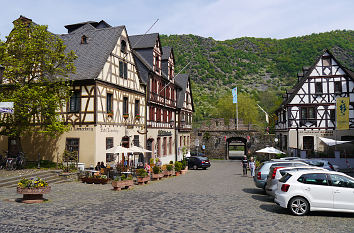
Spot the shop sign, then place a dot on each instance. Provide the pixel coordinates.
(164, 133)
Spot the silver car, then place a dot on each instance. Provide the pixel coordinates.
(260, 178)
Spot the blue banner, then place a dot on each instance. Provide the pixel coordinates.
(234, 95)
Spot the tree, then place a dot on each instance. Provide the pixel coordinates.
(36, 68)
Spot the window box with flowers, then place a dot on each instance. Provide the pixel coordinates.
(33, 190)
(125, 115)
(110, 114)
(137, 116)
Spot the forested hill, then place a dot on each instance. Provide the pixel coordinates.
(252, 64)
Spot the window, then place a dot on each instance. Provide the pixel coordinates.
(109, 144)
(74, 105)
(123, 69)
(84, 39)
(123, 46)
(136, 140)
(164, 115)
(170, 145)
(342, 181)
(125, 105)
(284, 116)
(109, 103)
(158, 115)
(308, 143)
(315, 179)
(137, 107)
(171, 72)
(159, 147)
(332, 114)
(337, 87)
(164, 146)
(308, 114)
(72, 145)
(152, 114)
(318, 88)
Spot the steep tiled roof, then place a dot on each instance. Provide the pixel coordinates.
(92, 55)
(182, 80)
(143, 41)
(166, 51)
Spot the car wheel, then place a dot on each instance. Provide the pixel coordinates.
(195, 167)
(299, 206)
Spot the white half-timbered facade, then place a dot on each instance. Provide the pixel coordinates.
(309, 110)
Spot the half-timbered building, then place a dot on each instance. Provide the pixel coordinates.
(156, 68)
(309, 109)
(107, 105)
(185, 109)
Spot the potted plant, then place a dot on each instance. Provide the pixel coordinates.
(169, 170)
(122, 182)
(184, 167)
(142, 176)
(95, 179)
(156, 173)
(110, 114)
(125, 115)
(178, 168)
(137, 116)
(32, 189)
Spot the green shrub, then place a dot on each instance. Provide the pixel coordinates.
(184, 164)
(178, 166)
(169, 167)
(141, 172)
(156, 170)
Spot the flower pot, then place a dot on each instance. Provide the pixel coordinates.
(177, 173)
(155, 176)
(125, 116)
(94, 180)
(183, 172)
(33, 195)
(143, 180)
(161, 175)
(123, 184)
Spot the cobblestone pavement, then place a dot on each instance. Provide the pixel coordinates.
(215, 200)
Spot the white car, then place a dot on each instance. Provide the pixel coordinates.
(305, 191)
(278, 172)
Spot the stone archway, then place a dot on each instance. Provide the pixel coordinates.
(236, 147)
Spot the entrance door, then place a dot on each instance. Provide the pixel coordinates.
(308, 142)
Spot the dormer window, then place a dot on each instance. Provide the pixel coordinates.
(84, 39)
(123, 46)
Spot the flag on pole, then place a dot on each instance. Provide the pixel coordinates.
(234, 95)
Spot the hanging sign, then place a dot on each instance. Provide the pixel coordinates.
(342, 109)
(7, 107)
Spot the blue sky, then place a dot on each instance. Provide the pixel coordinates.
(220, 19)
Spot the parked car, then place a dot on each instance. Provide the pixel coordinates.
(305, 191)
(289, 158)
(320, 163)
(196, 162)
(278, 172)
(262, 172)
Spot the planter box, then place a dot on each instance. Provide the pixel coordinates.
(92, 180)
(33, 195)
(167, 173)
(183, 172)
(156, 176)
(124, 184)
(143, 180)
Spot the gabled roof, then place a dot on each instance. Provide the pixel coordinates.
(93, 55)
(166, 52)
(144, 41)
(182, 80)
(306, 73)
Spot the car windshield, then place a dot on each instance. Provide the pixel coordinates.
(203, 158)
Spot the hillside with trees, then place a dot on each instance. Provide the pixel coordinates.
(261, 68)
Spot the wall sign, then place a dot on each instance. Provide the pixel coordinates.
(164, 133)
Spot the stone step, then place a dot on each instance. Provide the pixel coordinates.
(47, 175)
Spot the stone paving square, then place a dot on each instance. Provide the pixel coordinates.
(215, 200)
